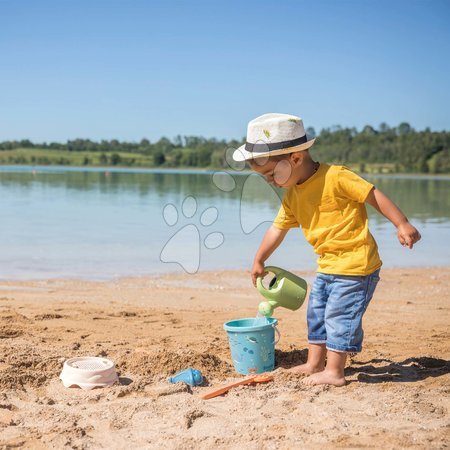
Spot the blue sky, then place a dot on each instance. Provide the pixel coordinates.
(132, 69)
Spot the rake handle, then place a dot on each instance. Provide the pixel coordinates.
(259, 378)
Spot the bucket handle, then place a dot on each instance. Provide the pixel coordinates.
(275, 342)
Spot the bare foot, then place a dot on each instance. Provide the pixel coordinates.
(325, 377)
(306, 368)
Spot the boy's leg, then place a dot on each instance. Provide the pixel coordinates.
(333, 373)
(316, 360)
(348, 300)
(316, 328)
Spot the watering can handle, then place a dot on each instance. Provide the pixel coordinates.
(259, 284)
(272, 269)
(275, 342)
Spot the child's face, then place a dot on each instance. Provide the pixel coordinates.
(281, 173)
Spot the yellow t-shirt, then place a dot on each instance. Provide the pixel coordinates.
(329, 206)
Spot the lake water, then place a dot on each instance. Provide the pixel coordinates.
(103, 223)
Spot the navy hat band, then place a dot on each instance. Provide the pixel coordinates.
(262, 148)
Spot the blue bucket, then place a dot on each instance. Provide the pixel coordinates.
(252, 344)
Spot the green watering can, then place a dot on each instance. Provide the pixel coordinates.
(285, 289)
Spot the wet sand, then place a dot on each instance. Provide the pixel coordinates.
(397, 395)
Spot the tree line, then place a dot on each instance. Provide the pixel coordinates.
(390, 149)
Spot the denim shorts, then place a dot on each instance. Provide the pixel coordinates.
(336, 307)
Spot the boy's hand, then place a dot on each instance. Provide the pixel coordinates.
(407, 234)
(258, 271)
(272, 239)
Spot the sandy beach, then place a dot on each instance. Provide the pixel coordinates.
(397, 395)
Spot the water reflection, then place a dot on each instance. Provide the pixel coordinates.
(102, 224)
(421, 198)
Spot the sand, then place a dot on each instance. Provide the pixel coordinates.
(397, 395)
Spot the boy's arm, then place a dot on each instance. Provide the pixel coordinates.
(406, 233)
(272, 239)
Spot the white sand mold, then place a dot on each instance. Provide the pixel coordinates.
(89, 372)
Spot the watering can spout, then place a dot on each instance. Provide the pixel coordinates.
(266, 308)
(285, 289)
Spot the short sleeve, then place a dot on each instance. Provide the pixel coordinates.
(285, 218)
(352, 186)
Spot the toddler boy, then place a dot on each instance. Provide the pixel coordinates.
(328, 203)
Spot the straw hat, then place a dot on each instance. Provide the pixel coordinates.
(273, 134)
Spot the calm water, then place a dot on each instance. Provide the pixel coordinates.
(59, 222)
